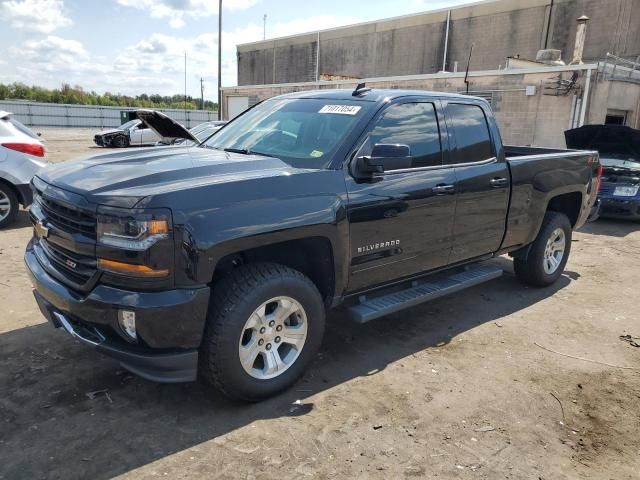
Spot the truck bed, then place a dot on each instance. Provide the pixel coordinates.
(515, 151)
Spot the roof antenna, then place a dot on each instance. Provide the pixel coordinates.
(360, 90)
(466, 74)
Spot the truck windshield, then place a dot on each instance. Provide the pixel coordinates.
(302, 132)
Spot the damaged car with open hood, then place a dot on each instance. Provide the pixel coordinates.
(139, 132)
(619, 148)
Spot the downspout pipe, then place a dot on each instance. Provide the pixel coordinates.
(585, 98)
(446, 42)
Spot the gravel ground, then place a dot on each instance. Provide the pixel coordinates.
(482, 384)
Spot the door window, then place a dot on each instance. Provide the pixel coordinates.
(412, 124)
(469, 125)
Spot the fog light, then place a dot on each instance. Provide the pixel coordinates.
(127, 320)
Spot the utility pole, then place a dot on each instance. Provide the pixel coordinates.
(185, 85)
(219, 59)
(201, 93)
(264, 27)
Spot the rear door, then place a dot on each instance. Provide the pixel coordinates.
(483, 182)
(401, 221)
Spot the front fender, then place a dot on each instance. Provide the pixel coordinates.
(314, 206)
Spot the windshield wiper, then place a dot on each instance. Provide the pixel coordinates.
(245, 151)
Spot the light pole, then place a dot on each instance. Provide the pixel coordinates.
(219, 59)
(264, 27)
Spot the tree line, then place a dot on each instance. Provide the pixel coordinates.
(78, 96)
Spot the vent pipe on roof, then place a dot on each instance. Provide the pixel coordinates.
(581, 34)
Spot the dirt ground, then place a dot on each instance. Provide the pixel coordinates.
(458, 388)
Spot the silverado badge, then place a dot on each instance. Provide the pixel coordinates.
(378, 246)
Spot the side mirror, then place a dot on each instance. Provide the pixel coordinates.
(384, 157)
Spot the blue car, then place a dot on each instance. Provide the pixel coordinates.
(619, 148)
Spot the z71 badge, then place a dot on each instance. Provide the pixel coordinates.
(378, 246)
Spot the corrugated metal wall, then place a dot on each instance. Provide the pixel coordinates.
(36, 114)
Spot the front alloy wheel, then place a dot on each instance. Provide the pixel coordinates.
(273, 338)
(265, 324)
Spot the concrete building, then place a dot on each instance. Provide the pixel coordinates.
(440, 40)
(516, 63)
(533, 106)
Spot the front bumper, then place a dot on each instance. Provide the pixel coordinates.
(169, 323)
(620, 207)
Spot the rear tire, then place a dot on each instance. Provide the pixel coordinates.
(548, 254)
(273, 318)
(9, 205)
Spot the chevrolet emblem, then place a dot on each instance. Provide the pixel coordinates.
(41, 230)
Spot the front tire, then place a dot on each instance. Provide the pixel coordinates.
(121, 141)
(9, 205)
(548, 254)
(265, 324)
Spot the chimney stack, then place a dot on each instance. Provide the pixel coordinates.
(581, 34)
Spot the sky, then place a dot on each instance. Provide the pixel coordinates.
(138, 46)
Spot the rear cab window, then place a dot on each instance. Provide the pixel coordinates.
(413, 124)
(468, 126)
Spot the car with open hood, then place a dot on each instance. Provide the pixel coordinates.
(619, 148)
(149, 128)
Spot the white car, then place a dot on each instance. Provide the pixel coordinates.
(22, 155)
(132, 133)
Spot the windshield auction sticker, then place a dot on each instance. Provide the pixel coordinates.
(340, 109)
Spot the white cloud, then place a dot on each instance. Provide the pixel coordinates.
(37, 15)
(154, 64)
(177, 10)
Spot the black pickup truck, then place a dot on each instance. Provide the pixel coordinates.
(221, 260)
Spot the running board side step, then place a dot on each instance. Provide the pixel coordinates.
(371, 308)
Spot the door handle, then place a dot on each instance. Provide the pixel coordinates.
(443, 189)
(499, 182)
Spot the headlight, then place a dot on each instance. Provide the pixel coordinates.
(133, 231)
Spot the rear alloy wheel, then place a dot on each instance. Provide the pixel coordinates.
(548, 253)
(8, 205)
(265, 324)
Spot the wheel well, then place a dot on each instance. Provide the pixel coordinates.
(568, 203)
(13, 189)
(311, 256)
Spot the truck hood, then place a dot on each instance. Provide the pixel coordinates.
(125, 178)
(167, 128)
(609, 140)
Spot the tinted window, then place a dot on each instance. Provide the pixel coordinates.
(471, 132)
(415, 125)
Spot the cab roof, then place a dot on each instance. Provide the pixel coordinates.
(372, 95)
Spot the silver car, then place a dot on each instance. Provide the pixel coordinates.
(22, 155)
(130, 134)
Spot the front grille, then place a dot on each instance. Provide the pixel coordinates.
(78, 268)
(67, 218)
(606, 188)
(67, 251)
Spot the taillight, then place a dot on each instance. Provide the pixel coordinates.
(598, 177)
(34, 149)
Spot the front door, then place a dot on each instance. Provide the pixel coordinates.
(401, 222)
(483, 183)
